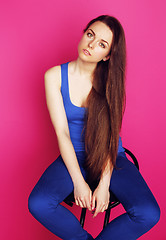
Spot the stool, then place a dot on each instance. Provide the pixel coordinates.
(69, 200)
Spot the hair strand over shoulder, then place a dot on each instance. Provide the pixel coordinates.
(106, 103)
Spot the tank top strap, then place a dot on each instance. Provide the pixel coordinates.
(64, 80)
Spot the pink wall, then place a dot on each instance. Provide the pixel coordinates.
(36, 35)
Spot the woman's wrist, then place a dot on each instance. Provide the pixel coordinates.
(105, 181)
(78, 179)
(106, 177)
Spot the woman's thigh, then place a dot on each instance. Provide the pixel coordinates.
(56, 182)
(130, 187)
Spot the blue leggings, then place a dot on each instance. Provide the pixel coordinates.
(55, 184)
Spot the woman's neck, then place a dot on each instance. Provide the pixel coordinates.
(82, 68)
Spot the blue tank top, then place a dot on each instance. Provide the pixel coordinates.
(75, 115)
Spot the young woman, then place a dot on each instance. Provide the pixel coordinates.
(86, 102)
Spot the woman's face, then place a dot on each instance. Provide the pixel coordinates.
(95, 43)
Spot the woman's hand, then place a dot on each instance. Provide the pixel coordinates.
(101, 197)
(83, 195)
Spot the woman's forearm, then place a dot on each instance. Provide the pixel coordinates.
(69, 157)
(106, 175)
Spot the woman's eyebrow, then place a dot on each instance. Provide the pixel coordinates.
(101, 39)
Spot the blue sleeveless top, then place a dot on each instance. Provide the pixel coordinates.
(75, 115)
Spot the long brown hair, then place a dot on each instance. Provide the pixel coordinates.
(106, 103)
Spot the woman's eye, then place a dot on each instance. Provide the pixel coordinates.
(89, 34)
(102, 45)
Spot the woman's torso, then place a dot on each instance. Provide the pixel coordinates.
(75, 115)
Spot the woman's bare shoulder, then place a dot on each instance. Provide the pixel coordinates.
(53, 75)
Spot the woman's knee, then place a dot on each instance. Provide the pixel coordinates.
(40, 204)
(147, 213)
(152, 215)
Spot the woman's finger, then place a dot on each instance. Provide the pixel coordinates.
(76, 202)
(93, 202)
(81, 203)
(104, 208)
(90, 196)
(88, 205)
(88, 202)
(98, 209)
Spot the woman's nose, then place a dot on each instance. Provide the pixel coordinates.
(91, 44)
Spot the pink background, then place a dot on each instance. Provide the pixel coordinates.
(37, 35)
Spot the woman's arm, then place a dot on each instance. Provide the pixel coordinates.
(106, 176)
(101, 194)
(59, 120)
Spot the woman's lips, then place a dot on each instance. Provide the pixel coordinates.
(86, 52)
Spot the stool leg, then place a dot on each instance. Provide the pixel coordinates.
(82, 218)
(107, 216)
